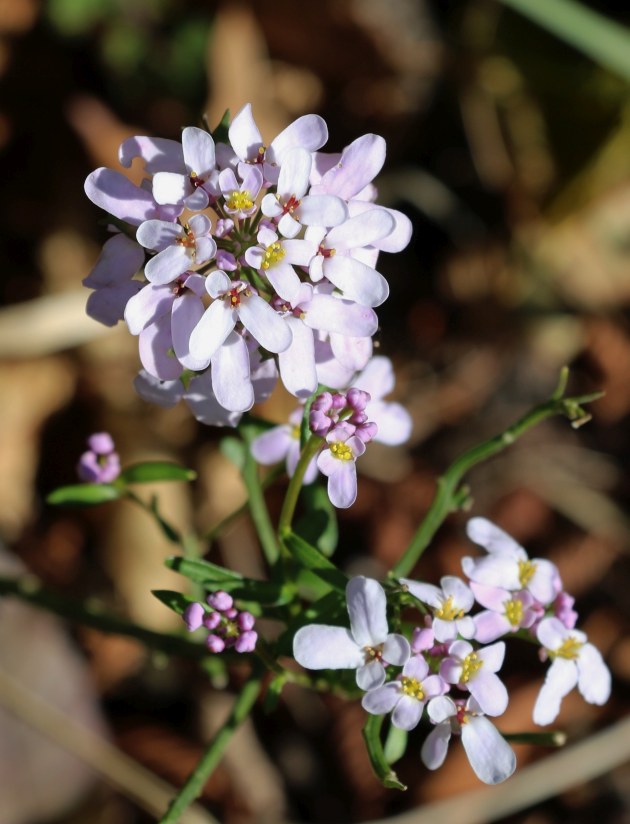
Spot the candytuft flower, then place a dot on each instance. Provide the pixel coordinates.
(367, 646)
(100, 464)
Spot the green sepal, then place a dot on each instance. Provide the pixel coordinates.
(395, 744)
(176, 601)
(150, 471)
(84, 495)
(318, 525)
(220, 132)
(311, 558)
(382, 769)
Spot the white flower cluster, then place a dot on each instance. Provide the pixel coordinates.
(261, 262)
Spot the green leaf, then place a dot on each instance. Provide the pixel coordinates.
(83, 495)
(220, 133)
(382, 770)
(311, 558)
(274, 691)
(213, 577)
(318, 525)
(169, 531)
(202, 572)
(150, 471)
(234, 450)
(173, 600)
(331, 610)
(395, 744)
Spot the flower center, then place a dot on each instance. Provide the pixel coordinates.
(412, 687)
(569, 649)
(470, 667)
(462, 716)
(178, 288)
(290, 206)
(195, 180)
(341, 450)
(526, 570)
(514, 611)
(448, 612)
(233, 297)
(327, 253)
(273, 254)
(238, 201)
(187, 240)
(373, 653)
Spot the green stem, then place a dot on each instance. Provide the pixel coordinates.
(311, 448)
(193, 788)
(448, 496)
(92, 614)
(257, 506)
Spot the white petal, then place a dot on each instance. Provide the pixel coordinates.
(330, 314)
(377, 378)
(490, 755)
(167, 265)
(322, 210)
(561, 677)
(198, 148)
(394, 422)
(367, 607)
(187, 312)
(265, 325)
(323, 647)
(427, 593)
(309, 131)
(342, 483)
(170, 187)
(441, 708)
(244, 134)
(382, 700)
(231, 375)
(396, 650)
(493, 539)
(362, 230)
(357, 281)
(370, 676)
(294, 173)
(297, 362)
(212, 330)
(594, 675)
(490, 693)
(149, 304)
(435, 747)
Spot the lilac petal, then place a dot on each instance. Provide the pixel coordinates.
(542, 584)
(231, 375)
(460, 649)
(297, 362)
(490, 693)
(361, 230)
(370, 676)
(441, 709)
(489, 626)
(107, 304)
(193, 615)
(323, 647)
(228, 181)
(497, 570)
(367, 607)
(322, 210)
(299, 252)
(198, 148)
(461, 593)
(489, 754)
(382, 700)
(159, 154)
(407, 713)
(294, 174)
(396, 650)
(252, 179)
(119, 260)
(284, 280)
(492, 656)
(552, 633)
(330, 314)
(434, 686)
(154, 344)
(205, 407)
(217, 283)
(200, 225)
(416, 667)
(444, 631)
(377, 378)
(271, 447)
(244, 134)
(593, 676)
(198, 199)
(435, 747)
(360, 162)
(153, 390)
(342, 485)
(398, 238)
(309, 131)
(205, 249)
(351, 352)
(167, 265)
(212, 330)
(170, 187)
(493, 598)
(264, 375)
(394, 422)
(116, 194)
(158, 234)
(357, 281)
(451, 671)
(187, 312)
(149, 304)
(265, 325)
(426, 593)
(493, 539)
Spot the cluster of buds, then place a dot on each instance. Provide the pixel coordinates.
(100, 464)
(450, 665)
(228, 628)
(259, 261)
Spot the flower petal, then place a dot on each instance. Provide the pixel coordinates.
(593, 675)
(370, 676)
(407, 713)
(265, 324)
(212, 330)
(318, 646)
(490, 537)
(435, 747)
(231, 375)
(244, 135)
(382, 700)
(490, 692)
(561, 677)
(367, 607)
(357, 281)
(490, 755)
(396, 650)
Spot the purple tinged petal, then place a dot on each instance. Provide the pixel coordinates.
(490, 692)
(217, 283)
(561, 677)
(318, 646)
(294, 174)
(357, 281)
(393, 421)
(360, 162)
(382, 700)
(367, 608)
(434, 686)
(489, 626)
(116, 194)
(461, 593)
(416, 667)
(551, 633)
(426, 593)
(158, 234)
(495, 570)
(445, 631)
(309, 131)
(167, 265)
(270, 206)
(542, 583)
(400, 235)
(154, 344)
(494, 540)
(205, 249)
(212, 330)
(284, 280)
(322, 210)
(153, 390)
(159, 154)
(377, 378)
(265, 325)
(252, 178)
(198, 147)
(491, 597)
(489, 754)
(150, 303)
(297, 362)
(362, 230)
(187, 312)
(231, 375)
(440, 709)
(200, 225)
(244, 135)
(594, 680)
(342, 485)
(331, 314)
(288, 226)
(170, 188)
(451, 671)
(198, 199)
(396, 650)
(205, 407)
(370, 676)
(107, 304)
(193, 616)
(272, 446)
(435, 747)
(492, 656)
(119, 260)
(351, 352)
(228, 181)
(407, 713)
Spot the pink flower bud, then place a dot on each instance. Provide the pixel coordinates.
(215, 644)
(245, 621)
(212, 620)
(101, 442)
(246, 642)
(220, 600)
(193, 616)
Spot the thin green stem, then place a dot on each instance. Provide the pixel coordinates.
(193, 788)
(448, 496)
(311, 448)
(256, 502)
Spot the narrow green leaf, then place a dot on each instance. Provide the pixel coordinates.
(213, 577)
(311, 558)
(150, 471)
(274, 691)
(202, 572)
(169, 531)
(173, 600)
(553, 738)
(395, 744)
(382, 770)
(83, 495)
(318, 525)
(234, 450)
(220, 132)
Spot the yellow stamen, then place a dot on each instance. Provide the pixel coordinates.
(273, 254)
(526, 570)
(341, 451)
(470, 667)
(412, 687)
(514, 611)
(569, 649)
(447, 612)
(238, 201)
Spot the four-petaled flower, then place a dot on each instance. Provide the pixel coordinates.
(474, 670)
(450, 603)
(367, 646)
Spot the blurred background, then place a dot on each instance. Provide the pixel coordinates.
(509, 149)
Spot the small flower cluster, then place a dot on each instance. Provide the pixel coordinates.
(454, 650)
(100, 464)
(228, 628)
(261, 262)
(346, 421)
